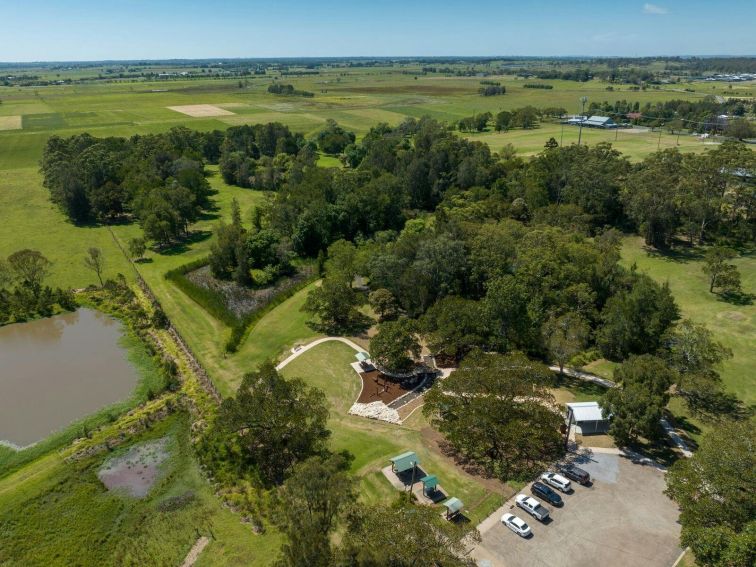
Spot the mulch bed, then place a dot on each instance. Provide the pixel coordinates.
(379, 387)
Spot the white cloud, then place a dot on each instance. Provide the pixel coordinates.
(654, 9)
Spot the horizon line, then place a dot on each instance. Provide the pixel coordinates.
(372, 57)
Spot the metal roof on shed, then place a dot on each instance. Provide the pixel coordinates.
(586, 411)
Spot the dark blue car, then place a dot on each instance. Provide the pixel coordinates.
(540, 489)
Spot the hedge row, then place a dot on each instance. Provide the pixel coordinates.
(238, 332)
(209, 300)
(214, 304)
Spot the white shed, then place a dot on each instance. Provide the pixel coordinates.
(588, 417)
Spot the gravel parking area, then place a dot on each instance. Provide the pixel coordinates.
(623, 519)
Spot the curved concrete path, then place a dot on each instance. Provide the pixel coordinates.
(308, 346)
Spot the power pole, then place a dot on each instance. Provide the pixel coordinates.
(583, 100)
(658, 143)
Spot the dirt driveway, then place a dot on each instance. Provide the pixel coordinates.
(622, 520)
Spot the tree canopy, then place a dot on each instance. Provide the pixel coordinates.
(496, 410)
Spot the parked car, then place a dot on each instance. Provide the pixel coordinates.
(532, 507)
(576, 473)
(515, 524)
(557, 481)
(540, 489)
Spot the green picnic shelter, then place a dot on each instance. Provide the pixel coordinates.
(430, 482)
(404, 462)
(453, 507)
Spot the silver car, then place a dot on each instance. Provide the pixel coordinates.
(516, 524)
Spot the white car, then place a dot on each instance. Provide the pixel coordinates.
(515, 524)
(557, 481)
(532, 507)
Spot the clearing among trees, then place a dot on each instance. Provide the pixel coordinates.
(201, 110)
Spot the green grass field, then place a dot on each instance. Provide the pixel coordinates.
(733, 325)
(373, 442)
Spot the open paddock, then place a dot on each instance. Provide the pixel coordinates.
(10, 122)
(201, 110)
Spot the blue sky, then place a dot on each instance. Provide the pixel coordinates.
(44, 30)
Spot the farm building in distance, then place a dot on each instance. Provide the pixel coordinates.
(592, 122)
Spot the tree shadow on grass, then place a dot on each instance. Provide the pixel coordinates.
(681, 254)
(737, 298)
(185, 244)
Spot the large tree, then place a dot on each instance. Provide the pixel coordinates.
(272, 424)
(649, 196)
(565, 336)
(406, 536)
(638, 404)
(635, 318)
(497, 411)
(309, 506)
(715, 491)
(722, 274)
(29, 268)
(691, 350)
(454, 326)
(395, 346)
(333, 305)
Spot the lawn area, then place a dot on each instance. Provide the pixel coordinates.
(70, 518)
(733, 325)
(569, 390)
(29, 220)
(374, 442)
(635, 144)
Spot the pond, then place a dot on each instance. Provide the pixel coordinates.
(57, 370)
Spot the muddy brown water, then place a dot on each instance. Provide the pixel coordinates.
(57, 370)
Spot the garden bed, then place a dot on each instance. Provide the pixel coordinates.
(377, 387)
(239, 300)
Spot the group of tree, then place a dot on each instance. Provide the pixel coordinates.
(475, 123)
(255, 256)
(491, 90)
(701, 196)
(158, 179)
(23, 293)
(333, 139)
(288, 90)
(527, 117)
(260, 155)
(702, 115)
(715, 492)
